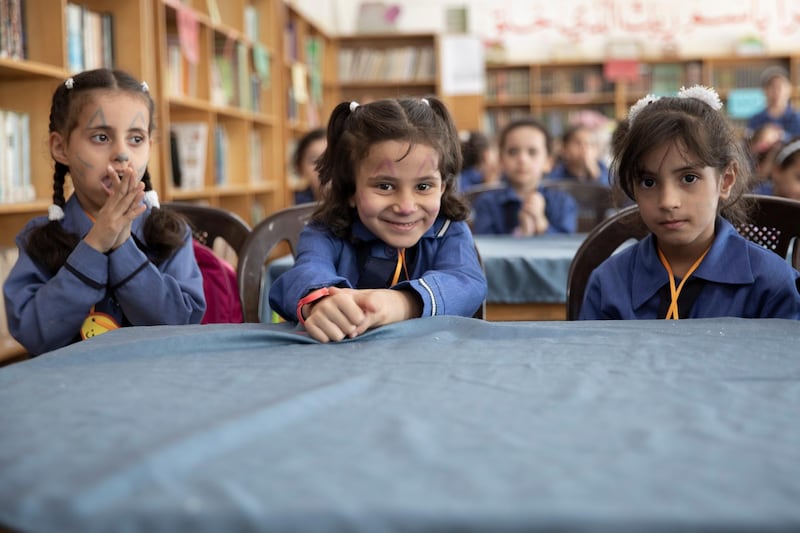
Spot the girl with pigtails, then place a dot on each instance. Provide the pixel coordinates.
(389, 241)
(680, 160)
(107, 256)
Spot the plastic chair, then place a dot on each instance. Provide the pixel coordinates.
(210, 223)
(283, 226)
(774, 224)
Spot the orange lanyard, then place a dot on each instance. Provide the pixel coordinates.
(401, 264)
(672, 312)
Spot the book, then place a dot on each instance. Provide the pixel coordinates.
(192, 142)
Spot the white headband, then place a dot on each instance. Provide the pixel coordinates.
(786, 151)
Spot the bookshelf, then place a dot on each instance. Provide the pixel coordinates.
(555, 91)
(310, 90)
(220, 97)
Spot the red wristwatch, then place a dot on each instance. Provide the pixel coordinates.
(312, 296)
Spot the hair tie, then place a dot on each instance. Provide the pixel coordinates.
(641, 104)
(702, 93)
(786, 151)
(54, 212)
(145, 87)
(426, 102)
(151, 199)
(353, 106)
(69, 83)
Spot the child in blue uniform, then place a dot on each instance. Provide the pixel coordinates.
(680, 160)
(108, 256)
(304, 160)
(389, 241)
(523, 207)
(786, 170)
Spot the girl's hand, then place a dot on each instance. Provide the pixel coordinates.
(351, 312)
(112, 226)
(532, 220)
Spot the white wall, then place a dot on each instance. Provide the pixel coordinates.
(532, 30)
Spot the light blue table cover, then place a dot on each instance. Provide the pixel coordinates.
(437, 424)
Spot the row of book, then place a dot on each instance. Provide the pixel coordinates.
(189, 150)
(12, 29)
(402, 63)
(90, 38)
(15, 157)
(505, 85)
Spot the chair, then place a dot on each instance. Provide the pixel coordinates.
(283, 226)
(603, 240)
(210, 223)
(595, 200)
(774, 224)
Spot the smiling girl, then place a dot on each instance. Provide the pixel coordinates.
(680, 160)
(389, 241)
(107, 256)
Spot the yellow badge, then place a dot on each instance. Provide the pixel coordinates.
(97, 323)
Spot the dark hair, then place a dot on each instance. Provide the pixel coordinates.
(698, 129)
(303, 144)
(526, 122)
(473, 148)
(49, 244)
(785, 156)
(351, 134)
(571, 131)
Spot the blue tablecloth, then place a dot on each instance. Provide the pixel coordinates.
(445, 424)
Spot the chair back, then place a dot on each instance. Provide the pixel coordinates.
(774, 224)
(601, 242)
(210, 223)
(595, 201)
(283, 226)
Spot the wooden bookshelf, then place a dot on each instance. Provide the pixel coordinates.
(554, 91)
(218, 68)
(309, 84)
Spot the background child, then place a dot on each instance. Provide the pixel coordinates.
(777, 89)
(579, 158)
(102, 259)
(480, 161)
(389, 241)
(680, 160)
(786, 170)
(308, 151)
(523, 207)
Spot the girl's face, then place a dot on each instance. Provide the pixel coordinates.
(524, 157)
(309, 160)
(398, 192)
(112, 129)
(678, 199)
(786, 182)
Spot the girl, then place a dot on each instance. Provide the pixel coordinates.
(680, 160)
(389, 241)
(309, 149)
(786, 170)
(480, 162)
(101, 259)
(523, 207)
(580, 157)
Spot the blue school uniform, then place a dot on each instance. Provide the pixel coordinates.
(789, 121)
(303, 197)
(443, 268)
(469, 177)
(45, 310)
(496, 212)
(737, 278)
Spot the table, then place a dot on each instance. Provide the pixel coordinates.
(527, 277)
(442, 423)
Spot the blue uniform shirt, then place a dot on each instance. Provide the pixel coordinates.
(789, 121)
(560, 172)
(45, 311)
(738, 278)
(445, 271)
(496, 212)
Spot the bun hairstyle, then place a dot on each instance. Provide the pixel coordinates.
(50, 244)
